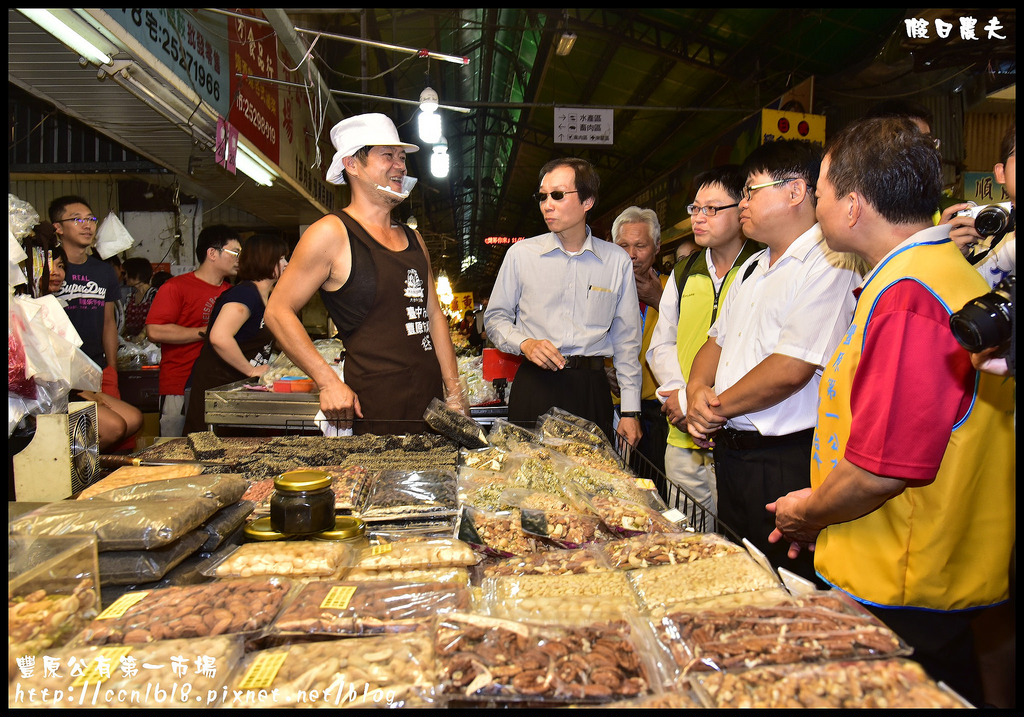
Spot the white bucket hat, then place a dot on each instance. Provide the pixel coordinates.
(352, 134)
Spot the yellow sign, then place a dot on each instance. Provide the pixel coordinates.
(776, 124)
(462, 302)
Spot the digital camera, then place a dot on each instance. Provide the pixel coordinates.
(990, 219)
(988, 320)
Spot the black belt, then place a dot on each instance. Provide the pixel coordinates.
(749, 440)
(591, 362)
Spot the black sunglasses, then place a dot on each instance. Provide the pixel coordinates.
(557, 196)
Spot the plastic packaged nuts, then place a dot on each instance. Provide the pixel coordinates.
(295, 558)
(223, 607)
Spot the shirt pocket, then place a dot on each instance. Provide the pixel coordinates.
(600, 308)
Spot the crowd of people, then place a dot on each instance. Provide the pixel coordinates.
(793, 370)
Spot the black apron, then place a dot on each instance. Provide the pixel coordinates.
(390, 360)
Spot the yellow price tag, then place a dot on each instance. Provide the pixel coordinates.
(120, 606)
(381, 549)
(92, 674)
(262, 671)
(645, 484)
(339, 597)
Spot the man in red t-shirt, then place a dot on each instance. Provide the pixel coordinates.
(180, 313)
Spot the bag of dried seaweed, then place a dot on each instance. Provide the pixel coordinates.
(139, 525)
(455, 426)
(503, 433)
(558, 423)
(225, 488)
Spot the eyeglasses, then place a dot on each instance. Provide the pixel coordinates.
(80, 220)
(557, 196)
(748, 190)
(232, 252)
(693, 209)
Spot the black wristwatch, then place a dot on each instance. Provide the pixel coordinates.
(630, 414)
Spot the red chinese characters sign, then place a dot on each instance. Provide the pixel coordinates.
(255, 104)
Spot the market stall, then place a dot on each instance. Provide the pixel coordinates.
(536, 568)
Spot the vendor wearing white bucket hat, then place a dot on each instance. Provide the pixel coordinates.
(374, 277)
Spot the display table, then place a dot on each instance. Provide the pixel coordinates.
(234, 404)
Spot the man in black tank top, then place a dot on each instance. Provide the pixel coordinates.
(375, 279)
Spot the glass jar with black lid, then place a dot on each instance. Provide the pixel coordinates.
(302, 503)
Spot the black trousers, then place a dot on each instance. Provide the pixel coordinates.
(655, 427)
(583, 392)
(750, 478)
(943, 645)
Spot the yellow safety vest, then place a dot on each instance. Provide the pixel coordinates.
(945, 545)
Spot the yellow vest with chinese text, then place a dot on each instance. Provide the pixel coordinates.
(945, 545)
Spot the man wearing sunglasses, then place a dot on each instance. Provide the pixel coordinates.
(566, 300)
(752, 391)
(179, 316)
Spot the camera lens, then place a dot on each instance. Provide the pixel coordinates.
(986, 321)
(991, 220)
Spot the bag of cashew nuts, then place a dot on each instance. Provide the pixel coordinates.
(245, 606)
(407, 554)
(286, 558)
(383, 671)
(488, 658)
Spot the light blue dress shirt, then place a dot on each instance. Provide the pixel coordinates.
(585, 304)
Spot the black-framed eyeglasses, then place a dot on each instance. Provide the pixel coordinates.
(708, 211)
(556, 195)
(750, 189)
(80, 220)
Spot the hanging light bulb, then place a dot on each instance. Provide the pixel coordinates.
(429, 120)
(439, 160)
(444, 290)
(412, 223)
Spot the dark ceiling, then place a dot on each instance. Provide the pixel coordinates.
(679, 81)
(683, 85)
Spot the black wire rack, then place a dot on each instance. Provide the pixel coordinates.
(698, 516)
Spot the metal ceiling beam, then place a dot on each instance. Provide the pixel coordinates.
(297, 48)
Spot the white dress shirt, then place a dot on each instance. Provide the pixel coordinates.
(800, 307)
(584, 303)
(662, 353)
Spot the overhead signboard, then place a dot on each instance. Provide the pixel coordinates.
(776, 124)
(579, 125)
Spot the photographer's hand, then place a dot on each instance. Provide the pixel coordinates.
(961, 230)
(991, 360)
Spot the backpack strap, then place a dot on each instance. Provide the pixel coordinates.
(682, 271)
(750, 268)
